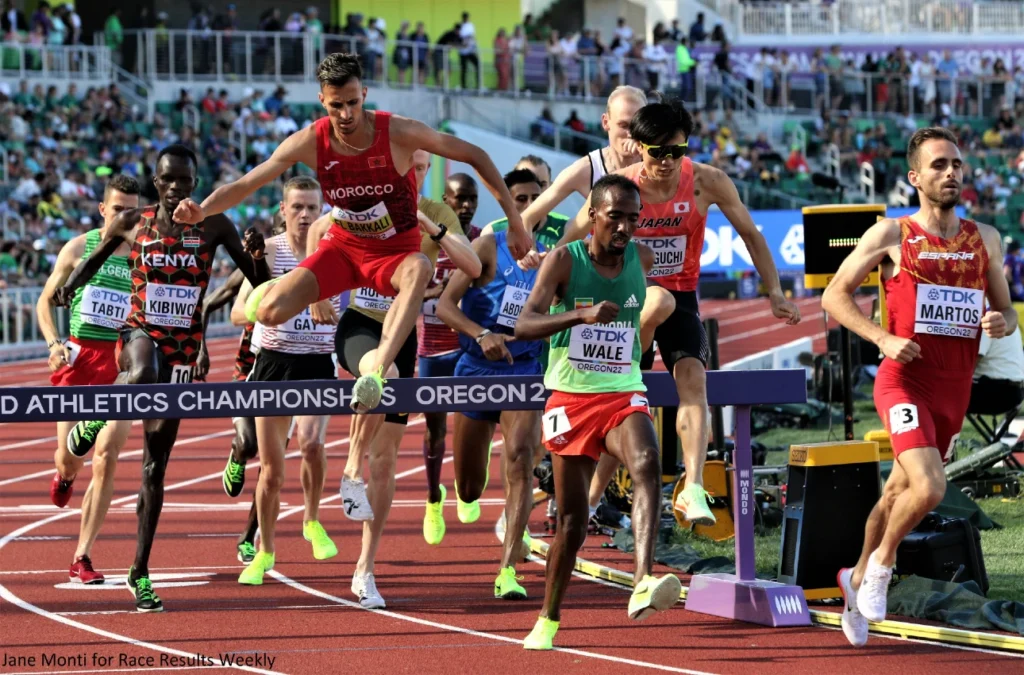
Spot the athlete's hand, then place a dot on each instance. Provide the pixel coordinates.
(188, 212)
(202, 363)
(494, 347)
(323, 312)
(531, 260)
(631, 147)
(994, 324)
(63, 296)
(60, 356)
(901, 350)
(436, 290)
(427, 226)
(784, 309)
(518, 239)
(253, 243)
(603, 312)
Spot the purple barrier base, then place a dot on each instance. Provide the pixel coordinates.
(764, 602)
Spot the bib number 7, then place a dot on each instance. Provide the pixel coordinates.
(181, 374)
(555, 423)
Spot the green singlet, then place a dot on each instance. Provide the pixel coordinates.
(548, 233)
(599, 358)
(100, 309)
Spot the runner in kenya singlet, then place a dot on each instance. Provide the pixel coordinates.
(169, 280)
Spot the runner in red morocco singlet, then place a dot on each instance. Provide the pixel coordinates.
(677, 194)
(364, 164)
(937, 269)
(170, 265)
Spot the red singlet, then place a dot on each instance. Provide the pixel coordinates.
(674, 229)
(435, 337)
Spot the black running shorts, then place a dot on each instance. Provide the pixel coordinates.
(358, 334)
(273, 366)
(681, 336)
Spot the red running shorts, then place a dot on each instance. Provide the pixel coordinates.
(922, 411)
(92, 362)
(575, 425)
(343, 262)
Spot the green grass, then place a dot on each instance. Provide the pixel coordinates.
(1003, 549)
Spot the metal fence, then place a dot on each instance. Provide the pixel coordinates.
(20, 61)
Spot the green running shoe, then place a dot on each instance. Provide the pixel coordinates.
(234, 477)
(507, 587)
(654, 594)
(246, 552)
(468, 512)
(260, 565)
(252, 303)
(142, 590)
(542, 635)
(693, 503)
(82, 437)
(433, 520)
(367, 390)
(323, 547)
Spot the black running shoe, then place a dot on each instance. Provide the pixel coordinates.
(234, 477)
(82, 437)
(142, 590)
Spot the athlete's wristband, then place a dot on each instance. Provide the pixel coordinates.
(481, 336)
(440, 235)
(51, 343)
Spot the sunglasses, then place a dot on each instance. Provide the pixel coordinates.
(663, 151)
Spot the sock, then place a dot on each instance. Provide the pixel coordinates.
(434, 463)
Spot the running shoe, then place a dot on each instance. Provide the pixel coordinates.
(653, 594)
(142, 590)
(469, 512)
(367, 390)
(83, 573)
(542, 635)
(82, 437)
(433, 520)
(365, 588)
(855, 626)
(872, 595)
(252, 303)
(246, 552)
(252, 575)
(693, 503)
(60, 490)
(353, 499)
(323, 547)
(507, 587)
(234, 477)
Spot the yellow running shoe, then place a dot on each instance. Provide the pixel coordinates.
(507, 587)
(367, 390)
(469, 512)
(252, 575)
(652, 595)
(252, 303)
(323, 547)
(542, 635)
(433, 520)
(693, 502)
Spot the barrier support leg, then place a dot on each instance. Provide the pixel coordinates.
(742, 596)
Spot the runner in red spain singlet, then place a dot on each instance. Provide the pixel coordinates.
(364, 161)
(937, 270)
(170, 267)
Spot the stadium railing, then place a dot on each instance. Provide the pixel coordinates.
(82, 63)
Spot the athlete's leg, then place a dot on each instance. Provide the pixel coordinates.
(311, 430)
(253, 522)
(272, 433)
(97, 497)
(471, 451)
(243, 448)
(606, 468)
(410, 280)
(874, 529)
(658, 306)
(67, 464)
(521, 431)
(380, 490)
(926, 487)
(362, 430)
(291, 294)
(572, 476)
(692, 416)
(433, 452)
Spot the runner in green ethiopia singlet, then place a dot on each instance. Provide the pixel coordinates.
(599, 358)
(100, 309)
(548, 233)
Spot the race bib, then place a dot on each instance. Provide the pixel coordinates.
(181, 374)
(301, 331)
(367, 298)
(555, 422)
(512, 303)
(669, 254)
(948, 310)
(903, 417)
(373, 223)
(602, 349)
(170, 305)
(104, 307)
(430, 312)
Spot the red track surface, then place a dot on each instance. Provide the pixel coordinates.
(441, 616)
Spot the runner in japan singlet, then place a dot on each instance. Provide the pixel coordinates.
(169, 279)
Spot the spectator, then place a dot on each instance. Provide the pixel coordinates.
(273, 104)
(622, 31)
(12, 20)
(697, 32)
(468, 51)
(402, 56)
(1013, 268)
(655, 62)
(422, 41)
(113, 34)
(503, 60)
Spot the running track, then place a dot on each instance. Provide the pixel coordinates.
(441, 616)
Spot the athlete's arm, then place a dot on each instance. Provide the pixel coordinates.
(121, 229)
(536, 322)
(248, 255)
(68, 257)
(211, 304)
(646, 254)
(418, 136)
(296, 148)
(837, 300)
(578, 227)
(455, 245)
(1001, 319)
(722, 191)
(238, 308)
(572, 179)
(448, 309)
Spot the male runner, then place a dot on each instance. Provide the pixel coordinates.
(438, 351)
(88, 358)
(485, 320)
(676, 195)
(300, 349)
(364, 163)
(551, 228)
(587, 298)
(937, 269)
(170, 266)
(359, 335)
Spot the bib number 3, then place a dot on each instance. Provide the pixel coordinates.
(903, 417)
(181, 374)
(556, 423)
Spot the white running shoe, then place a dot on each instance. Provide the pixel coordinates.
(365, 588)
(353, 499)
(874, 589)
(855, 626)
